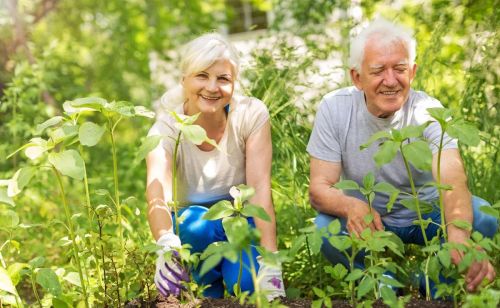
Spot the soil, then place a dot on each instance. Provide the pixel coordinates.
(172, 302)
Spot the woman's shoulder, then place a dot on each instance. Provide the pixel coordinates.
(245, 104)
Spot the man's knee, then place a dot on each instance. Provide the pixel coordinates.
(484, 223)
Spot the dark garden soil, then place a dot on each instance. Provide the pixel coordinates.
(172, 302)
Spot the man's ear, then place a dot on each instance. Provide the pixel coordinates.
(356, 78)
(413, 72)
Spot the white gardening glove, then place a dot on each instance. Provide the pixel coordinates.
(270, 280)
(169, 272)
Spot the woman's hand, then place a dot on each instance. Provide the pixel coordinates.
(270, 280)
(170, 274)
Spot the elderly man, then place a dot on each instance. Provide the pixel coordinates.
(382, 69)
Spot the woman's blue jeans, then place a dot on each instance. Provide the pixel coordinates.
(200, 233)
(485, 224)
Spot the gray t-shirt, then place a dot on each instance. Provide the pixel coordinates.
(343, 123)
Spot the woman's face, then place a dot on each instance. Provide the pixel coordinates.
(209, 90)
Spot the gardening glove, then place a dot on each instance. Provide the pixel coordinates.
(270, 280)
(169, 271)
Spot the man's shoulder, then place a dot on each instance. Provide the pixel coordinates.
(422, 98)
(342, 94)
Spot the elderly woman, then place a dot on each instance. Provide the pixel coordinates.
(240, 127)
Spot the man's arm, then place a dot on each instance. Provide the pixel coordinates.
(332, 201)
(457, 206)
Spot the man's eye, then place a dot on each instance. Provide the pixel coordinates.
(224, 79)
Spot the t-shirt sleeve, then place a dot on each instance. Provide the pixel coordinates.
(162, 128)
(432, 133)
(324, 142)
(255, 116)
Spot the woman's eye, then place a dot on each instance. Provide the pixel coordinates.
(202, 76)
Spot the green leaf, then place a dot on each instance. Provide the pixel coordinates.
(444, 258)
(219, 210)
(340, 242)
(8, 219)
(319, 293)
(143, 112)
(6, 283)
(462, 224)
(49, 281)
(485, 209)
(49, 123)
(386, 153)
(366, 285)
(14, 271)
(96, 103)
(442, 115)
(315, 241)
(368, 181)
(210, 263)
(354, 275)
(236, 228)
(413, 131)
(347, 185)
(20, 179)
(66, 131)
(368, 218)
(60, 303)
(194, 133)
(391, 281)
(389, 296)
(334, 227)
(384, 187)
(375, 137)
(418, 154)
(339, 271)
(4, 197)
(73, 278)
(465, 133)
(122, 108)
(434, 269)
(90, 133)
(35, 148)
(411, 204)
(148, 145)
(69, 163)
(256, 211)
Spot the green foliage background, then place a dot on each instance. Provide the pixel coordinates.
(57, 50)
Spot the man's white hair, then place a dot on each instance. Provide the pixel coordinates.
(387, 33)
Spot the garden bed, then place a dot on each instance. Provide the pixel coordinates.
(171, 302)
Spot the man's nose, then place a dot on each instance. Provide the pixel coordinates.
(390, 78)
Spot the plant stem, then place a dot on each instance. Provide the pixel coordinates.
(254, 277)
(117, 192)
(420, 220)
(240, 273)
(89, 214)
(174, 181)
(33, 286)
(441, 205)
(72, 235)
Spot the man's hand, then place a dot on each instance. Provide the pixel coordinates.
(169, 271)
(270, 280)
(356, 214)
(477, 271)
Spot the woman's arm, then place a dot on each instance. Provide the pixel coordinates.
(259, 152)
(159, 191)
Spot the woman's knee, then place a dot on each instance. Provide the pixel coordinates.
(195, 230)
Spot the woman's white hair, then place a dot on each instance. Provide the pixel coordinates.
(196, 56)
(387, 33)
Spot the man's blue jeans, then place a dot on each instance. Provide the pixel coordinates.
(199, 233)
(485, 224)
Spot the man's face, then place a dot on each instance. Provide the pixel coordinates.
(385, 77)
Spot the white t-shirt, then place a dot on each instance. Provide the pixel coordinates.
(343, 123)
(206, 177)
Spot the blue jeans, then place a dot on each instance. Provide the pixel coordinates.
(485, 224)
(200, 233)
